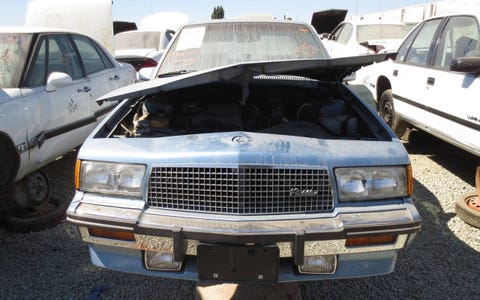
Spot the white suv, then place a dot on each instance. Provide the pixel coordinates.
(432, 84)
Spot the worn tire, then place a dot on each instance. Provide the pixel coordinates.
(36, 220)
(465, 212)
(386, 110)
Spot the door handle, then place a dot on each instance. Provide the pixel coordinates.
(116, 77)
(395, 73)
(430, 81)
(85, 89)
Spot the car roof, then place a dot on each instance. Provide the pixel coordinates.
(33, 29)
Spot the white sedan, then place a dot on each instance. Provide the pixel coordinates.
(49, 82)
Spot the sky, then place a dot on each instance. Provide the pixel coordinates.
(13, 12)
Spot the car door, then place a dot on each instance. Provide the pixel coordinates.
(408, 77)
(61, 110)
(101, 73)
(452, 107)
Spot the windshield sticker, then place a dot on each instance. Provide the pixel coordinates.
(306, 50)
(190, 38)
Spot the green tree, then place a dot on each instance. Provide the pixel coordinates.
(218, 12)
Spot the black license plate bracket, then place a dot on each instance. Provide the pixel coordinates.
(238, 263)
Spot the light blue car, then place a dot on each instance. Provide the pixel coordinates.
(255, 171)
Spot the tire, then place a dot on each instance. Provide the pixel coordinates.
(467, 207)
(36, 220)
(33, 207)
(386, 110)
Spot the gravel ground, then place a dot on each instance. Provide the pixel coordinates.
(443, 262)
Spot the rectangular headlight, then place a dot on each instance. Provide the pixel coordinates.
(370, 183)
(111, 178)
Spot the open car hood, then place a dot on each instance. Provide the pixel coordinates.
(331, 69)
(326, 20)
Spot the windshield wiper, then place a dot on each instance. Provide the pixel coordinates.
(179, 72)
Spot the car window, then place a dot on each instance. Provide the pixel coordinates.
(13, 55)
(92, 60)
(199, 47)
(345, 34)
(336, 32)
(418, 52)
(459, 39)
(62, 56)
(38, 70)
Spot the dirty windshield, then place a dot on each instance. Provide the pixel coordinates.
(13, 53)
(205, 46)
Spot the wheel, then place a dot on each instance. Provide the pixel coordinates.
(387, 112)
(467, 207)
(33, 207)
(37, 219)
(33, 191)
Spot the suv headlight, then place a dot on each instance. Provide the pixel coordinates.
(110, 178)
(370, 183)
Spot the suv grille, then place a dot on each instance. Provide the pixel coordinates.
(240, 191)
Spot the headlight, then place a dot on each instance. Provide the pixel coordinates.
(111, 178)
(370, 183)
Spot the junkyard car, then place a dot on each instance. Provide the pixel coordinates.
(141, 48)
(255, 171)
(49, 82)
(432, 84)
(358, 36)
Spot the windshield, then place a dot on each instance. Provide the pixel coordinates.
(381, 32)
(138, 40)
(207, 46)
(13, 54)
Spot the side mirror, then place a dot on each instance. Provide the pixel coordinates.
(465, 64)
(56, 80)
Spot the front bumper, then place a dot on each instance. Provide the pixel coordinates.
(296, 236)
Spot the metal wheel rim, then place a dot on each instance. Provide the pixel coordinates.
(37, 189)
(387, 113)
(473, 202)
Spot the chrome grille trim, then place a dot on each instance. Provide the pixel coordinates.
(245, 190)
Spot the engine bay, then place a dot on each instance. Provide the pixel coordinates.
(310, 109)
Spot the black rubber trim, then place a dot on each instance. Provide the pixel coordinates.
(442, 114)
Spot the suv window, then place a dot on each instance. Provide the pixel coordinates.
(418, 52)
(459, 38)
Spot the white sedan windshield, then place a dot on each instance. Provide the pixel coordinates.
(207, 46)
(13, 53)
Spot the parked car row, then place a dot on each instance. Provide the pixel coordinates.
(49, 82)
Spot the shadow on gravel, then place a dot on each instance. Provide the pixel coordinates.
(459, 162)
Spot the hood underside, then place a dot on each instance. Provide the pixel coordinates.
(331, 70)
(326, 20)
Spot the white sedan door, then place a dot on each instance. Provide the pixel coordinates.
(408, 78)
(451, 103)
(64, 118)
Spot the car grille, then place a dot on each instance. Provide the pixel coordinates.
(240, 191)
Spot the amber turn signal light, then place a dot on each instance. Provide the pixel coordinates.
(112, 234)
(371, 240)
